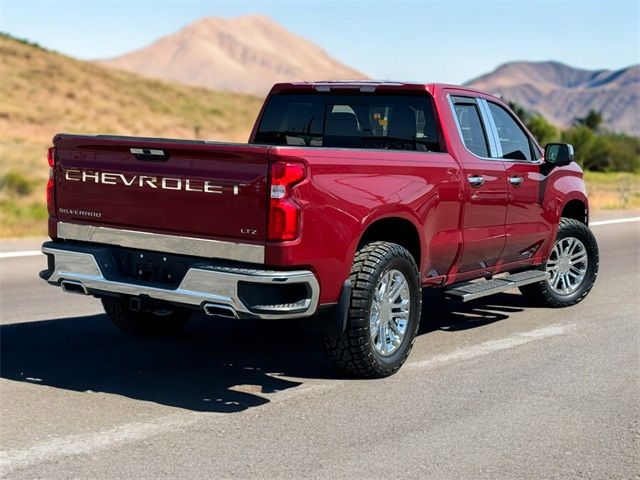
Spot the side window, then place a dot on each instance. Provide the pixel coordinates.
(514, 142)
(473, 134)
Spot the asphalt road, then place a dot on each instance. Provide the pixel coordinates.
(493, 389)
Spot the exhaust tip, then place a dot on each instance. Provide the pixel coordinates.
(74, 287)
(218, 310)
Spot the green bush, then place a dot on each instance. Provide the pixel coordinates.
(544, 131)
(604, 152)
(16, 184)
(596, 148)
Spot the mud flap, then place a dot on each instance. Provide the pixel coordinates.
(330, 320)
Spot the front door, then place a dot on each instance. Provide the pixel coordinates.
(485, 191)
(526, 226)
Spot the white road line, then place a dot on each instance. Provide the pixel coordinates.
(617, 220)
(485, 348)
(56, 447)
(86, 443)
(24, 253)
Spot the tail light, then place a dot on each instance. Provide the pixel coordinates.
(51, 158)
(284, 211)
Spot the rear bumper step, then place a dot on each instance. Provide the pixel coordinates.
(217, 290)
(478, 289)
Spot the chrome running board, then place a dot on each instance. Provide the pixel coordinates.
(477, 289)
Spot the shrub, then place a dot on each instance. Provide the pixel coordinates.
(596, 149)
(15, 183)
(544, 131)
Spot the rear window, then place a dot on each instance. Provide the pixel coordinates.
(350, 121)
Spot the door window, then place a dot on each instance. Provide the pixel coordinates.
(513, 140)
(471, 129)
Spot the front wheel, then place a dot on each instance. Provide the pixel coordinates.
(384, 313)
(572, 267)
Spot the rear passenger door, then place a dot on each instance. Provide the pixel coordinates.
(485, 189)
(526, 225)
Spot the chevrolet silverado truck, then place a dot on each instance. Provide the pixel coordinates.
(348, 200)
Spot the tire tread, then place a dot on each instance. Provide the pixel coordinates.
(351, 351)
(541, 294)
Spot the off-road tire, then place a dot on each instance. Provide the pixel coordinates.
(353, 351)
(542, 294)
(143, 323)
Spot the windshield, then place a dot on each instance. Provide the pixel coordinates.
(350, 121)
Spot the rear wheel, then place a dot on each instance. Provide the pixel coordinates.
(384, 313)
(572, 267)
(161, 321)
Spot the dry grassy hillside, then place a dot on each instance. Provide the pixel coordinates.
(43, 93)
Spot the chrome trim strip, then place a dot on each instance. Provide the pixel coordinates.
(157, 242)
(200, 285)
(492, 130)
(141, 151)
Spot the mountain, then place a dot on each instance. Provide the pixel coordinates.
(562, 93)
(246, 54)
(43, 93)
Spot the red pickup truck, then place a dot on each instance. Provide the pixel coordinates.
(348, 200)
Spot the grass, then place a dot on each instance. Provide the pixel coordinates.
(19, 218)
(613, 190)
(43, 93)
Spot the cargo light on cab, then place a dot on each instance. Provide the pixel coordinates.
(284, 211)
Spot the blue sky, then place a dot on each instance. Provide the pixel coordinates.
(404, 40)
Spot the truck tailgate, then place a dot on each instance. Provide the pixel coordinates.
(187, 188)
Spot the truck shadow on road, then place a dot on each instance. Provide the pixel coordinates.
(211, 366)
(439, 313)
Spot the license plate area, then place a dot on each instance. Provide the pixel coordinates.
(149, 267)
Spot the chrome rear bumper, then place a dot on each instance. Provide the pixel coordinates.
(212, 288)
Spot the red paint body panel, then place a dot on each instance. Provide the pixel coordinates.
(464, 232)
(236, 177)
(348, 190)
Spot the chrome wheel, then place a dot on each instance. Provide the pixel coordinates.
(390, 312)
(567, 265)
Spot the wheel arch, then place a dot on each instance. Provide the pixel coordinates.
(576, 209)
(396, 230)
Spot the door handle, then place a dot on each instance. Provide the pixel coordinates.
(475, 180)
(515, 181)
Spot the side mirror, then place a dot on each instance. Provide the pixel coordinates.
(558, 154)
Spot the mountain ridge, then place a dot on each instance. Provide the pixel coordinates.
(562, 93)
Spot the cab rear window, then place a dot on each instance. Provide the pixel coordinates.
(350, 121)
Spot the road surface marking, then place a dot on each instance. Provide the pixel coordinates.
(90, 442)
(490, 346)
(23, 253)
(86, 443)
(617, 220)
